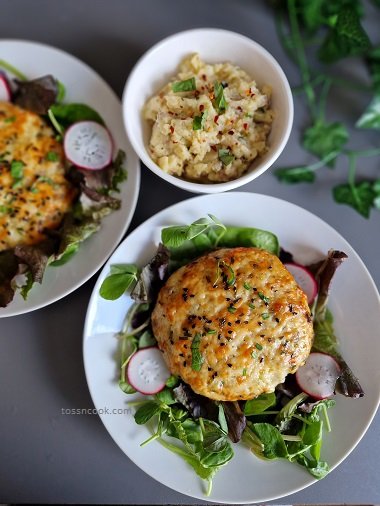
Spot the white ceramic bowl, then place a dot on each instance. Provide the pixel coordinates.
(160, 63)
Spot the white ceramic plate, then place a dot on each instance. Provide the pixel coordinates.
(355, 305)
(82, 85)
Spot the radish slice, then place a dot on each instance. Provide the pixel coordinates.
(318, 376)
(5, 89)
(304, 279)
(88, 145)
(147, 371)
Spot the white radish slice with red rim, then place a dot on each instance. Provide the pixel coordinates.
(147, 371)
(5, 89)
(304, 279)
(318, 376)
(88, 145)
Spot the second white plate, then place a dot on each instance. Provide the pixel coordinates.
(82, 85)
(357, 320)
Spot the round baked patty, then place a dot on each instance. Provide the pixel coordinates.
(233, 323)
(34, 193)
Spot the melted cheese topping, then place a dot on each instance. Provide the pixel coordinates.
(249, 329)
(34, 194)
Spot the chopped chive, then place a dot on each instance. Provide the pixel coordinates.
(232, 309)
(11, 119)
(263, 297)
(258, 346)
(247, 286)
(211, 331)
(244, 372)
(265, 316)
(252, 306)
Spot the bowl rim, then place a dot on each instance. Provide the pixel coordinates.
(207, 187)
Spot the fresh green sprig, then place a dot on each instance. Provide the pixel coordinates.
(175, 236)
(343, 36)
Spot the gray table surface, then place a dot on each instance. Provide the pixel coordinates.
(48, 457)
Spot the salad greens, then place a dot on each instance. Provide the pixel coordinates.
(284, 424)
(331, 31)
(44, 96)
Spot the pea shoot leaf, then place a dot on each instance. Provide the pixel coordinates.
(293, 175)
(371, 116)
(361, 196)
(122, 276)
(322, 139)
(346, 37)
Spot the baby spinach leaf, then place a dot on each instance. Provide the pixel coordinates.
(222, 419)
(371, 116)
(260, 404)
(321, 139)
(216, 459)
(250, 237)
(122, 276)
(270, 436)
(67, 114)
(146, 412)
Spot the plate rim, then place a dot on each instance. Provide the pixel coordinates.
(87, 335)
(135, 162)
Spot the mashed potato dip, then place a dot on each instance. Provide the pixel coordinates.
(209, 122)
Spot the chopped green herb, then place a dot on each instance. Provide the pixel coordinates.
(197, 358)
(265, 316)
(232, 309)
(247, 286)
(225, 156)
(254, 355)
(211, 331)
(187, 85)
(252, 306)
(17, 172)
(263, 297)
(199, 121)
(244, 372)
(52, 156)
(11, 119)
(220, 102)
(17, 169)
(231, 280)
(258, 346)
(4, 209)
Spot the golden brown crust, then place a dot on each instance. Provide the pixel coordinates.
(40, 198)
(253, 331)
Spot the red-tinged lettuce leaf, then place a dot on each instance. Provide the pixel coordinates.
(35, 257)
(152, 277)
(8, 270)
(324, 337)
(37, 95)
(324, 277)
(197, 405)
(72, 234)
(236, 420)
